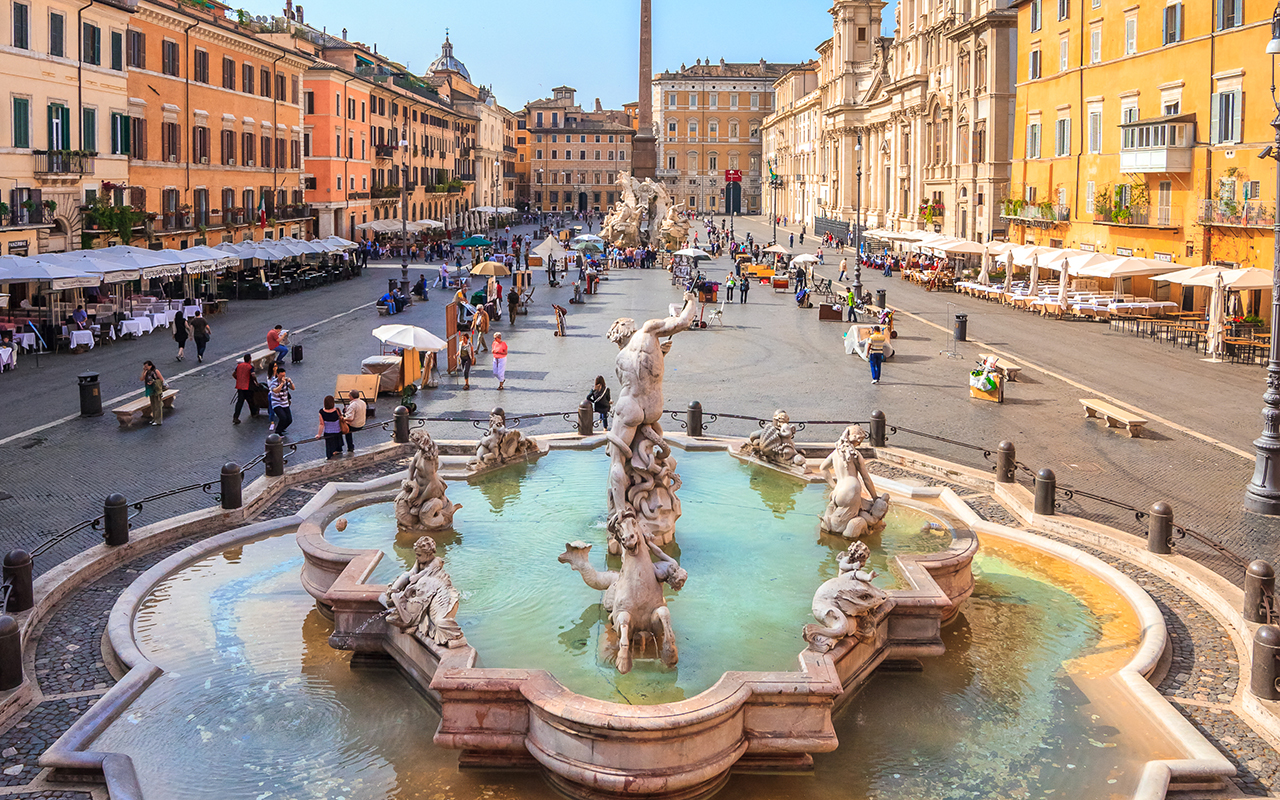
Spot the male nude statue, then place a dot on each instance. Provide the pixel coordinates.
(639, 367)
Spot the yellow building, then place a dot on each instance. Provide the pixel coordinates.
(1138, 129)
(64, 120)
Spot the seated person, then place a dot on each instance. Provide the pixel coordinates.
(401, 300)
(802, 298)
(420, 288)
(389, 301)
(8, 352)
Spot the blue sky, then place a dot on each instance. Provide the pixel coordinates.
(523, 48)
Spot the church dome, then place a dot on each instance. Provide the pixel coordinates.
(447, 63)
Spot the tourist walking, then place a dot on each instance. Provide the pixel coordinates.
(875, 352)
(331, 425)
(276, 343)
(200, 331)
(746, 285)
(282, 396)
(466, 357)
(154, 383)
(728, 288)
(180, 333)
(356, 413)
(499, 359)
(844, 268)
(479, 327)
(245, 380)
(601, 401)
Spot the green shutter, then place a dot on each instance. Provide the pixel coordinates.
(88, 129)
(52, 110)
(117, 51)
(1215, 103)
(21, 122)
(1237, 124)
(66, 128)
(115, 134)
(126, 132)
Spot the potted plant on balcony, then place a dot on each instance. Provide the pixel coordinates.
(50, 206)
(4, 212)
(1046, 211)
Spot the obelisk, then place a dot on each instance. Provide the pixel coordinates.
(644, 152)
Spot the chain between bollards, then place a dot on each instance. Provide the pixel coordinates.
(1259, 591)
(1160, 529)
(878, 427)
(1046, 492)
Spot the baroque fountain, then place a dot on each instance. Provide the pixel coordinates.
(771, 625)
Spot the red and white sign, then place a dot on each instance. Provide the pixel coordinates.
(733, 176)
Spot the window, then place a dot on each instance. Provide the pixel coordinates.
(266, 152)
(309, 102)
(1171, 108)
(170, 141)
(57, 26)
(712, 162)
(248, 145)
(1129, 138)
(1062, 137)
(200, 66)
(1035, 15)
(89, 129)
(1095, 131)
(1033, 140)
(1064, 9)
(91, 43)
(1172, 24)
(169, 60)
(119, 134)
(1225, 120)
(537, 154)
(59, 128)
(21, 122)
(755, 101)
(135, 54)
(293, 89)
(138, 138)
(117, 51)
(246, 78)
(597, 155)
(1033, 65)
(555, 119)
(306, 145)
(1095, 45)
(199, 144)
(21, 26)
(1252, 190)
(1130, 36)
(228, 143)
(582, 155)
(733, 101)
(282, 88)
(1228, 13)
(979, 141)
(555, 154)
(980, 71)
(693, 100)
(264, 86)
(1090, 189)
(1064, 56)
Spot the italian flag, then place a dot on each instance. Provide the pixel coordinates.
(262, 212)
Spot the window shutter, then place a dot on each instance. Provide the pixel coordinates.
(1215, 104)
(1164, 30)
(97, 45)
(21, 122)
(1237, 123)
(1237, 12)
(66, 128)
(1219, 6)
(1178, 22)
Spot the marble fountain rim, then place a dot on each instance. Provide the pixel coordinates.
(73, 749)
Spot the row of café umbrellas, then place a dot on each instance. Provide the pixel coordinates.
(400, 225)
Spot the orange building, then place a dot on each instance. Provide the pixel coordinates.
(216, 126)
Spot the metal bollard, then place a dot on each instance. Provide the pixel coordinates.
(1266, 657)
(693, 420)
(401, 428)
(1160, 529)
(274, 463)
(878, 432)
(585, 423)
(115, 520)
(10, 653)
(1006, 463)
(232, 483)
(1046, 492)
(17, 573)
(1259, 588)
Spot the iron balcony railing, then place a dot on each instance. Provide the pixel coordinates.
(63, 162)
(1033, 213)
(1241, 215)
(1158, 217)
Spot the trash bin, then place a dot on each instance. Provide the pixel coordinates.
(962, 327)
(393, 284)
(90, 395)
(879, 298)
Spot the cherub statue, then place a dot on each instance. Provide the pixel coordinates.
(421, 504)
(775, 442)
(500, 445)
(424, 600)
(843, 603)
(851, 513)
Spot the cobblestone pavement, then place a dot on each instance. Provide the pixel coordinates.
(1202, 679)
(766, 355)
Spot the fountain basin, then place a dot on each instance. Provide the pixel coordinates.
(590, 747)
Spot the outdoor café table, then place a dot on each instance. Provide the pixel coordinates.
(136, 326)
(1189, 333)
(1240, 347)
(160, 320)
(79, 338)
(190, 311)
(27, 340)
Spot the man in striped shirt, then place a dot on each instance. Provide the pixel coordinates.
(875, 352)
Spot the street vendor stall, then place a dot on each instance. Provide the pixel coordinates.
(400, 363)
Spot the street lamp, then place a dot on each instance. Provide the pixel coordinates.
(857, 225)
(404, 210)
(497, 171)
(1263, 492)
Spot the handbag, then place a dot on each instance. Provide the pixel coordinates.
(343, 425)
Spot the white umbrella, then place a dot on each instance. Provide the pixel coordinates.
(550, 248)
(506, 210)
(984, 277)
(1035, 274)
(1008, 278)
(962, 246)
(1183, 275)
(430, 224)
(1217, 318)
(345, 244)
(1062, 291)
(777, 248)
(805, 258)
(106, 270)
(1078, 262)
(410, 337)
(23, 269)
(1128, 267)
(1056, 260)
(485, 209)
(1235, 279)
(1000, 248)
(692, 252)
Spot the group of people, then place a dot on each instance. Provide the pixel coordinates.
(196, 328)
(468, 355)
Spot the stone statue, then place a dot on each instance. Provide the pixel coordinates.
(775, 443)
(501, 445)
(638, 216)
(633, 595)
(843, 603)
(674, 231)
(421, 504)
(642, 478)
(423, 600)
(851, 513)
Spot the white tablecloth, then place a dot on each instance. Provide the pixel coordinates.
(8, 358)
(162, 319)
(27, 340)
(82, 338)
(190, 311)
(137, 326)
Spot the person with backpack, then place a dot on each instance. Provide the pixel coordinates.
(600, 400)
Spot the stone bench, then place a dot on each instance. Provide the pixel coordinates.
(1115, 417)
(1005, 367)
(262, 359)
(142, 406)
(383, 311)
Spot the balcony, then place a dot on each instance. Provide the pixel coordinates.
(63, 162)
(1161, 144)
(383, 192)
(468, 177)
(383, 151)
(667, 173)
(19, 217)
(1158, 218)
(1045, 215)
(293, 211)
(1237, 215)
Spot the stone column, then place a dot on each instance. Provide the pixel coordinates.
(644, 150)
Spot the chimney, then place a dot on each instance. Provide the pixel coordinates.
(599, 108)
(344, 34)
(301, 21)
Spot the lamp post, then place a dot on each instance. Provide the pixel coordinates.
(857, 224)
(542, 217)
(497, 170)
(404, 210)
(1263, 492)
